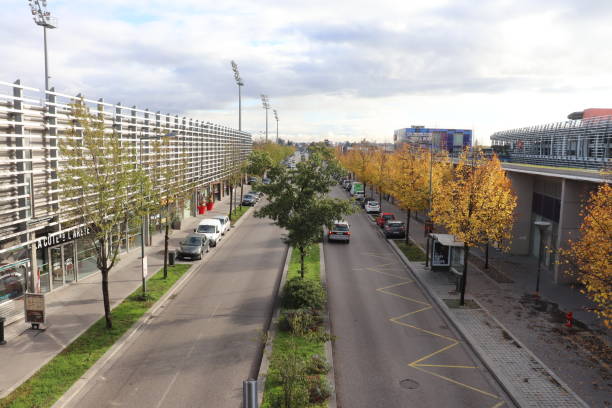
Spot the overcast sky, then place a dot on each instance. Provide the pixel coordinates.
(342, 70)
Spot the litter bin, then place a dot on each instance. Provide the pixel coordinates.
(171, 257)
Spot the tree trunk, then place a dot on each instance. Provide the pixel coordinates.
(302, 255)
(466, 249)
(380, 199)
(231, 201)
(166, 239)
(408, 226)
(241, 189)
(487, 256)
(106, 298)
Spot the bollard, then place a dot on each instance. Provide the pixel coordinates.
(2, 341)
(249, 394)
(171, 256)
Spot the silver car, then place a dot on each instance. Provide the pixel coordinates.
(340, 231)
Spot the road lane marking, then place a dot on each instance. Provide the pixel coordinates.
(419, 364)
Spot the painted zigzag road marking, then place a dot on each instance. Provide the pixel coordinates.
(420, 364)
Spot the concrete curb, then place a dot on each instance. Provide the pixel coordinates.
(265, 360)
(132, 333)
(329, 353)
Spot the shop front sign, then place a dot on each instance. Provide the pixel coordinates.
(34, 304)
(61, 237)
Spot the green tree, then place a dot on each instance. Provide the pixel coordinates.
(298, 201)
(259, 162)
(168, 175)
(101, 186)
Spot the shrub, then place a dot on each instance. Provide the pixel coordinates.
(318, 389)
(317, 365)
(299, 321)
(291, 375)
(302, 294)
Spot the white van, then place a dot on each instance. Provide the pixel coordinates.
(211, 228)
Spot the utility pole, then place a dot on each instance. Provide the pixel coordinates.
(266, 105)
(43, 18)
(240, 84)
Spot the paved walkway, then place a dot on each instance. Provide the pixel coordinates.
(507, 310)
(74, 308)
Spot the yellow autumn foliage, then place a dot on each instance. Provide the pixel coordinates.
(590, 257)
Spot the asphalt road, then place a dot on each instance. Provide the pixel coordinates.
(394, 348)
(204, 343)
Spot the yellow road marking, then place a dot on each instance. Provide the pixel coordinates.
(418, 364)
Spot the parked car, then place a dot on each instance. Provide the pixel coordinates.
(193, 246)
(395, 229)
(211, 228)
(257, 194)
(225, 223)
(266, 181)
(340, 231)
(372, 207)
(359, 198)
(252, 180)
(249, 200)
(347, 184)
(384, 217)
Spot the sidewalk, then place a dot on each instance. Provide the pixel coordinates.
(521, 338)
(73, 309)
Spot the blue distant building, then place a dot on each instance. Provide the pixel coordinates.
(451, 140)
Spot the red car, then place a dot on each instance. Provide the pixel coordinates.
(384, 217)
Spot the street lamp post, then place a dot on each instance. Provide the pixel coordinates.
(276, 117)
(266, 105)
(240, 84)
(543, 228)
(43, 18)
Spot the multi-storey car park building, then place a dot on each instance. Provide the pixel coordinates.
(38, 248)
(584, 141)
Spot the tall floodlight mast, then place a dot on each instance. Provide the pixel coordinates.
(266, 105)
(276, 117)
(43, 18)
(240, 84)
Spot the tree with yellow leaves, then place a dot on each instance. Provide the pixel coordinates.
(359, 160)
(409, 174)
(476, 205)
(378, 172)
(590, 257)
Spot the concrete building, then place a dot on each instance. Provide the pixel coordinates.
(453, 141)
(38, 250)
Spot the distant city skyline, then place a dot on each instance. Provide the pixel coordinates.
(339, 71)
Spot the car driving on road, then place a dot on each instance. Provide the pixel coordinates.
(249, 200)
(340, 231)
(211, 228)
(193, 246)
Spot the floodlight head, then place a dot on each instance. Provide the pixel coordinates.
(41, 16)
(237, 74)
(275, 114)
(265, 102)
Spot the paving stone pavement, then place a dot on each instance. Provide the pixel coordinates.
(515, 365)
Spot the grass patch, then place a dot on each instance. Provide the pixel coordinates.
(57, 376)
(284, 341)
(412, 252)
(239, 212)
(311, 264)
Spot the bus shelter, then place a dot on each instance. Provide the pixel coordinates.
(445, 253)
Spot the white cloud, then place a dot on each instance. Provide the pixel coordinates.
(345, 70)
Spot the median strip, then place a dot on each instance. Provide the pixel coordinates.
(298, 367)
(57, 376)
